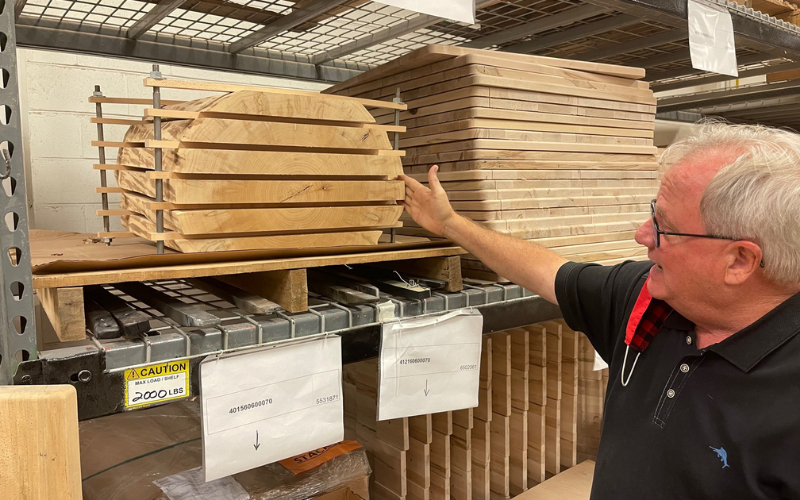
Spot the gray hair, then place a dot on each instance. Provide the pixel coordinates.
(757, 196)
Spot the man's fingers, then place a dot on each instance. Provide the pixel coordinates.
(412, 183)
(433, 180)
(409, 191)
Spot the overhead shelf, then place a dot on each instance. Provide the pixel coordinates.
(336, 40)
(96, 368)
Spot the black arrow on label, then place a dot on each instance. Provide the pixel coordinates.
(256, 445)
(426, 387)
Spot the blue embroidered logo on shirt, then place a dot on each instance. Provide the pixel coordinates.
(722, 454)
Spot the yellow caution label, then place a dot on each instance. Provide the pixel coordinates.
(151, 384)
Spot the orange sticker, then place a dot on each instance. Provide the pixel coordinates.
(314, 458)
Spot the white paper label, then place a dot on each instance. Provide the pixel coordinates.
(711, 41)
(430, 365)
(599, 363)
(266, 405)
(456, 10)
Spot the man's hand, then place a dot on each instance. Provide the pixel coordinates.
(429, 207)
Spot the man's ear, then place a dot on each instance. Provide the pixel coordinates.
(743, 260)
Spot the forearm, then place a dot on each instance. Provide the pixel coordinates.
(526, 263)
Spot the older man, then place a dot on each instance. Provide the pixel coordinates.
(702, 341)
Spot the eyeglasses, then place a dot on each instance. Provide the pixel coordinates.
(658, 232)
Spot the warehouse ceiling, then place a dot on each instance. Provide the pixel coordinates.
(333, 40)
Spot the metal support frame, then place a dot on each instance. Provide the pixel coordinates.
(728, 96)
(564, 18)
(18, 332)
(157, 152)
(386, 34)
(632, 45)
(97, 370)
(102, 157)
(589, 29)
(106, 41)
(756, 30)
(18, 6)
(299, 15)
(653, 76)
(396, 100)
(153, 17)
(725, 78)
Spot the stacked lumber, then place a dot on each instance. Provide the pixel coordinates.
(539, 413)
(555, 151)
(253, 169)
(387, 443)
(775, 8)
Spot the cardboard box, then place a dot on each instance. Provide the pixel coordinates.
(123, 454)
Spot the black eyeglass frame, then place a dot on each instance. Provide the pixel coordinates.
(658, 232)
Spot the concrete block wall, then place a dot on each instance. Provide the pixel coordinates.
(57, 134)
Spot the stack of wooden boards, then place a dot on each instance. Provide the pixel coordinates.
(556, 151)
(539, 413)
(262, 170)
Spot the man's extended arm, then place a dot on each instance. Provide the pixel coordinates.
(527, 264)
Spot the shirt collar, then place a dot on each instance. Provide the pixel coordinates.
(678, 322)
(747, 347)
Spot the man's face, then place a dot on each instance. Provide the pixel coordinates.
(687, 270)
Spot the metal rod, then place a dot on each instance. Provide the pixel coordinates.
(102, 158)
(393, 231)
(157, 159)
(397, 118)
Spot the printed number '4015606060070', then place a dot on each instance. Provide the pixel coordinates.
(250, 406)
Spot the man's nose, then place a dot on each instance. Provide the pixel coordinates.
(645, 235)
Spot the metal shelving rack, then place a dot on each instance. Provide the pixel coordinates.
(18, 335)
(96, 370)
(332, 40)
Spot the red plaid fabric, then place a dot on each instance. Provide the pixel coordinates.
(646, 320)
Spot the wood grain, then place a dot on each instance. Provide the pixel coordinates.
(288, 288)
(64, 308)
(144, 228)
(422, 57)
(262, 133)
(263, 220)
(267, 163)
(40, 455)
(294, 106)
(204, 191)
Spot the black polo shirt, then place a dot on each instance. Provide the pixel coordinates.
(716, 423)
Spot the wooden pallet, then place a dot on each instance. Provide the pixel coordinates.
(59, 280)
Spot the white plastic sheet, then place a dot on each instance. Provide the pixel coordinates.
(456, 10)
(269, 404)
(430, 365)
(711, 42)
